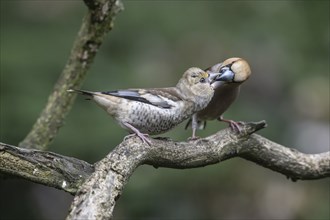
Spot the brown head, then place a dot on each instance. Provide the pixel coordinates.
(195, 83)
(232, 70)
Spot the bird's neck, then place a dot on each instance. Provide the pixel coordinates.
(183, 90)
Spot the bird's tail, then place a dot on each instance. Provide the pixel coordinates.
(82, 92)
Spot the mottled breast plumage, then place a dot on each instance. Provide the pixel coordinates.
(156, 110)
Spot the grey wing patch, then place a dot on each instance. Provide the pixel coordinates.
(144, 96)
(157, 100)
(123, 93)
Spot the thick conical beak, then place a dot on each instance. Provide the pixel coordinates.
(213, 76)
(226, 76)
(213, 80)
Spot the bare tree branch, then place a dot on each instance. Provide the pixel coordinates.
(43, 167)
(95, 25)
(97, 192)
(288, 161)
(98, 187)
(97, 197)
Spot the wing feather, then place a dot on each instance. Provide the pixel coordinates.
(152, 97)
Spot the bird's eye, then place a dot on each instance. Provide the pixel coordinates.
(202, 80)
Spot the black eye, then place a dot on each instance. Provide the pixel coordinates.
(202, 80)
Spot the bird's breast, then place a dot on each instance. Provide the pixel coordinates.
(152, 119)
(223, 97)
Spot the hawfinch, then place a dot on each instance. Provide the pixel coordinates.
(227, 77)
(154, 111)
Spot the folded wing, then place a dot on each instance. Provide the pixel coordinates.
(149, 97)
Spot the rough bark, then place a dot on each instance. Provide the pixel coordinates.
(44, 167)
(97, 192)
(97, 197)
(95, 25)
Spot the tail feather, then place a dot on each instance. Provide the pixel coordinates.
(82, 92)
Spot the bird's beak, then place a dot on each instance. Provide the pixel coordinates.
(213, 80)
(226, 76)
(212, 76)
(218, 79)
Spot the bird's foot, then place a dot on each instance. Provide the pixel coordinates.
(234, 125)
(193, 135)
(142, 136)
(129, 136)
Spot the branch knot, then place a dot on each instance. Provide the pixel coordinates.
(249, 128)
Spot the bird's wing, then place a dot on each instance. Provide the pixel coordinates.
(155, 97)
(169, 93)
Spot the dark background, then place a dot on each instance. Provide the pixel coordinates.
(151, 45)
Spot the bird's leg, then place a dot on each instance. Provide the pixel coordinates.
(194, 125)
(193, 136)
(235, 126)
(137, 133)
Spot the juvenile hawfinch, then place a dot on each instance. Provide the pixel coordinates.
(157, 110)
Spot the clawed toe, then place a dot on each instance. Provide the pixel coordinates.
(143, 138)
(235, 126)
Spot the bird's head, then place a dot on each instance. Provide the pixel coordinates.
(196, 82)
(232, 70)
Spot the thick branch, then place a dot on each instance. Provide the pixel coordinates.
(97, 22)
(288, 161)
(97, 196)
(42, 167)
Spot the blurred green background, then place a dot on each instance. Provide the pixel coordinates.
(151, 45)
